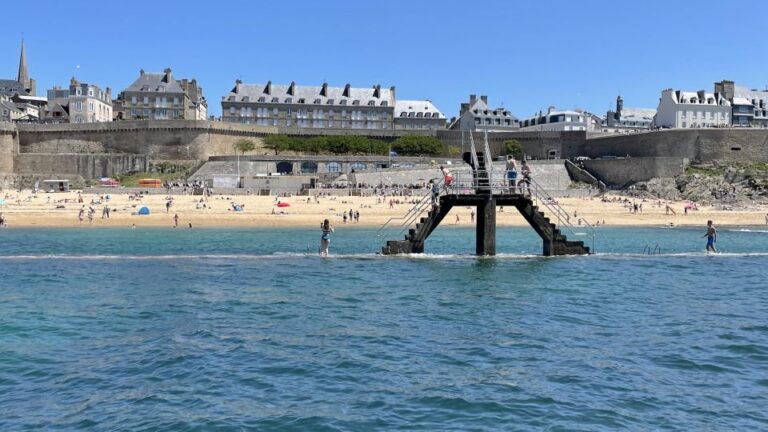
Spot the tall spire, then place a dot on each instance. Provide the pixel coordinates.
(23, 76)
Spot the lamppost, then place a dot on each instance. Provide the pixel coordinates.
(237, 156)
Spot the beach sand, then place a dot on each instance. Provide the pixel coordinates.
(29, 210)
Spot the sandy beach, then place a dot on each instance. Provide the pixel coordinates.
(26, 209)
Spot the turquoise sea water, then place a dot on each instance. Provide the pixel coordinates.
(216, 330)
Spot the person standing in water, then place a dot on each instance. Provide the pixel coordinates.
(711, 236)
(325, 239)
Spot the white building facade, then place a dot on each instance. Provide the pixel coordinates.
(686, 109)
(83, 103)
(418, 114)
(556, 120)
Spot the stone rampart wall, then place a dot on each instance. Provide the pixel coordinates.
(622, 172)
(87, 166)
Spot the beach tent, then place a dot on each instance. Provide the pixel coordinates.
(144, 211)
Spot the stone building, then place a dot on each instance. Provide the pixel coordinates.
(687, 109)
(310, 106)
(418, 114)
(556, 120)
(476, 115)
(160, 96)
(627, 120)
(80, 103)
(749, 107)
(23, 84)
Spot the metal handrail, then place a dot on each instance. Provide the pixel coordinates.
(487, 155)
(538, 193)
(413, 212)
(473, 150)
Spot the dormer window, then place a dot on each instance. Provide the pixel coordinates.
(403, 114)
(329, 102)
(384, 103)
(275, 100)
(262, 99)
(317, 102)
(301, 101)
(371, 103)
(245, 99)
(356, 102)
(419, 115)
(288, 100)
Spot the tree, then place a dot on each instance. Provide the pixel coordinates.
(514, 148)
(244, 145)
(417, 145)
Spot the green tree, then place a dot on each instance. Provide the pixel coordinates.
(514, 148)
(417, 145)
(279, 143)
(244, 145)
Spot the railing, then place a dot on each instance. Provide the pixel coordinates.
(469, 183)
(473, 150)
(656, 250)
(487, 156)
(538, 194)
(405, 221)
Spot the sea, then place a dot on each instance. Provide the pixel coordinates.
(155, 329)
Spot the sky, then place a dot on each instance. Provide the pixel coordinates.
(524, 55)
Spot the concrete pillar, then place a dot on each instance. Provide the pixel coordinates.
(485, 228)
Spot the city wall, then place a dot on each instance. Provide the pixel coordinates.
(735, 145)
(9, 145)
(623, 172)
(87, 166)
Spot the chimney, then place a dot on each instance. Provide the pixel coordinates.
(484, 99)
(346, 90)
(464, 108)
(141, 72)
(168, 76)
(292, 88)
(377, 91)
(550, 109)
(324, 89)
(472, 99)
(268, 88)
(73, 81)
(392, 90)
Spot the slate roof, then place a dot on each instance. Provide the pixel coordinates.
(155, 82)
(417, 106)
(313, 95)
(11, 86)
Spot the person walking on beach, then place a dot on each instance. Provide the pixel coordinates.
(512, 174)
(81, 214)
(175, 220)
(325, 239)
(711, 236)
(2, 221)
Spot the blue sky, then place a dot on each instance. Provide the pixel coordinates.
(525, 54)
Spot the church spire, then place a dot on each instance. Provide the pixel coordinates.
(23, 76)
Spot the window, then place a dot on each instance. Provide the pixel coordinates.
(175, 101)
(78, 106)
(317, 102)
(90, 106)
(275, 100)
(90, 92)
(355, 102)
(288, 100)
(262, 99)
(343, 102)
(329, 102)
(333, 167)
(133, 100)
(309, 167)
(232, 110)
(359, 166)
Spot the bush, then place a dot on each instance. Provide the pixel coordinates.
(417, 145)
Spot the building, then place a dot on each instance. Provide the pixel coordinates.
(749, 108)
(80, 103)
(687, 109)
(627, 120)
(476, 115)
(160, 96)
(310, 106)
(556, 120)
(23, 84)
(418, 114)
